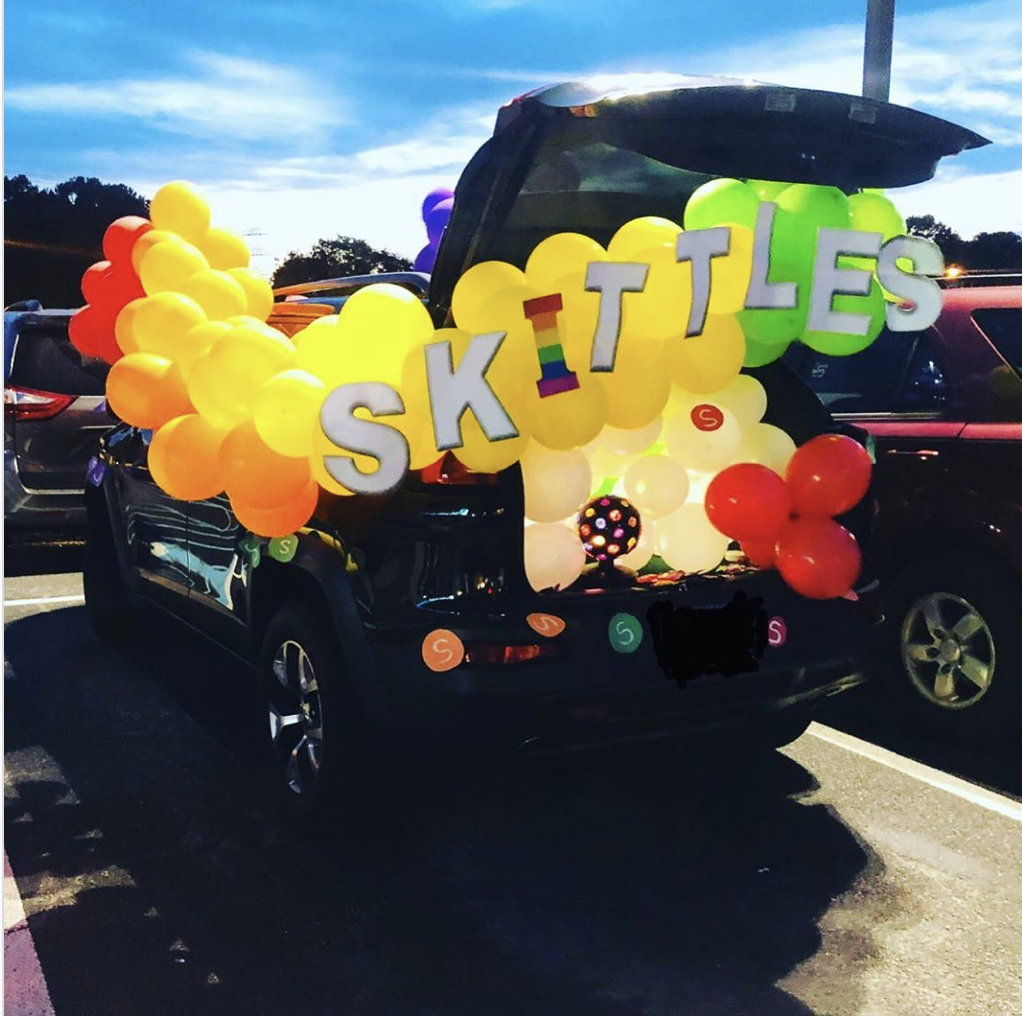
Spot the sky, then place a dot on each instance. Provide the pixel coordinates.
(305, 120)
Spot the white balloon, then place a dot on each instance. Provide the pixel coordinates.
(656, 485)
(639, 556)
(681, 400)
(557, 484)
(768, 445)
(745, 397)
(688, 542)
(704, 450)
(613, 449)
(554, 556)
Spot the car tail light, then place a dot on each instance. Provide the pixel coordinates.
(29, 404)
(449, 470)
(496, 654)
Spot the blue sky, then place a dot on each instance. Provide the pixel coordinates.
(304, 120)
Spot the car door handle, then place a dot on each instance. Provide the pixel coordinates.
(921, 453)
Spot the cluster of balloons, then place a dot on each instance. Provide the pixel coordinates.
(436, 212)
(788, 521)
(235, 404)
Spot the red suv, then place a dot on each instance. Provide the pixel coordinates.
(944, 407)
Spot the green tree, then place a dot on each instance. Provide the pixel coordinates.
(52, 235)
(330, 259)
(1000, 251)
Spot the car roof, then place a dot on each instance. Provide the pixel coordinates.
(17, 320)
(965, 298)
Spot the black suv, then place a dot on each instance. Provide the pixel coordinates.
(336, 632)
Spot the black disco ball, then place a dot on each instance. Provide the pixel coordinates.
(608, 527)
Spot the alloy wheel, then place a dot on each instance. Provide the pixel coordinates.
(947, 650)
(296, 718)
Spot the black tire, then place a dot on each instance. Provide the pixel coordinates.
(938, 694)
(111, 613)
(319, 766)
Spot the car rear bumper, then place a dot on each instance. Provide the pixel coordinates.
(25, 508)
(590, 695)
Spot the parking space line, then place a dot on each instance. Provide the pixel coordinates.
(77, 598)
(25, 991)
(988, 799)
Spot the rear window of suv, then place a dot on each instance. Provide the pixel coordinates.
(45, 360)
(1003, 327)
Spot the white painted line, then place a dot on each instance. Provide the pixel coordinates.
(77, 598)
(25, 992)
(996, 803)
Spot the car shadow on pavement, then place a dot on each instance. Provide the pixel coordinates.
(157, 881)
(42, 553)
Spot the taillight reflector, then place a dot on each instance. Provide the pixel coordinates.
(30, 404)
(489, 654)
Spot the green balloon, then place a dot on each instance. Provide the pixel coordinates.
(767, 190)
(770, 327)
(758, 354)
(838, 344)
(873, 213)
(720, 201)
(807, 209)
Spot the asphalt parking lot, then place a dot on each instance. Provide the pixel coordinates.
(862, 870)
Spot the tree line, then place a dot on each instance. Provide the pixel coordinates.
(51, 235)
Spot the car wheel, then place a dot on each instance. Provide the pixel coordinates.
(953, 649)
(112, 615)
(314, 747)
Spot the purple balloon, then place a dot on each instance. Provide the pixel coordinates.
(436, 221)
(433, 198)
(425, 259)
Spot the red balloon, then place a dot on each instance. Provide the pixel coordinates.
(828, 475)
(120, 237)
(121, 285)
(85, 330)
(818, 558)
(748, 502)
(762, 553)
(92, 280)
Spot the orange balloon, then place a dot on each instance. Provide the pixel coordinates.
(146, 390)
(255, 475)
(282, 519)
(124, 324)
(183, 458)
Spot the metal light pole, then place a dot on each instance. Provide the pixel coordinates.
(876, 64)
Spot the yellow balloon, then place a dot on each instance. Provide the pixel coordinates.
(319, 350)
(569, 419)
(197, 340)
(482, 455)
(183, 458)
(387, 314)
(286, 411)
(638, 387)
(223, 380)
(159, 322)
(181, 208)
(216, 293)
(125, 323)
(257, 292)
(640, 235)
(707, 362)
(224, 249)
(557, 255)
(146, 390)
(146, 242)
(729, 275)
(470, 303)
(167, 265)
(661, 310)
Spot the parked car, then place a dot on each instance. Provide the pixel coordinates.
(338, 627)
(945, 409)
(54, 415)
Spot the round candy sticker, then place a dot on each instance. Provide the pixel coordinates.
(625, 633)
(707, 417)
(546, 625)
(442, 650)
(777, 632)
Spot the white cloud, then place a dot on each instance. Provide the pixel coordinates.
(969, 204)
(221, 97)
